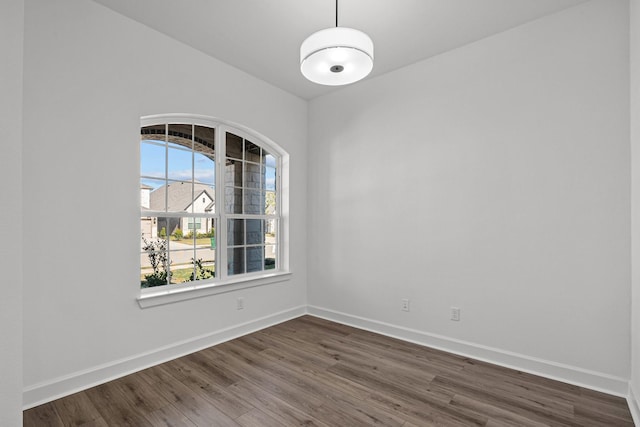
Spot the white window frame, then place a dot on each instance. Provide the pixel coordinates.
(222, 283)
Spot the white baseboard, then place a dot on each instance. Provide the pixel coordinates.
(47, 391)
(634, 405)
(544, 368)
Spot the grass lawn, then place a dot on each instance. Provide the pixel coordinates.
(201, 241)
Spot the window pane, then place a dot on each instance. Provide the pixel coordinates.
(233, 173)
(234, 146)
(205, 262)
(233, 200)
(205, 139)
(269, 159)
(270, 203)
(153, 133)
(179, 197)
(180, 164)
(235, 232)
(253, 202)
(270, 179)
(269, 257)
(181, 249)
(147, 186)
(255, 256)
(204, 168)
(205, 250)
(181, 266)
(157, 194)
(203, 200)
(270, 231)
(252, 178)
(254, 232)
(235, 261)
(153, 256)
(252, 152)
(152, 160)
(181, 135)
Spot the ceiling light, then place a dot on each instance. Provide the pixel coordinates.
(336, 56)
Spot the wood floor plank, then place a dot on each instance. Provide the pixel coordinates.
(114, 407)
(77, 410)
(537, 408)
(365, 358)
(346, 396)
(497, 416)
(300, 391)
(198, 409)
(207, 382)
(44, 415)
(306, 353)
(169, 416)
(314, 372)
(257, 418)
(493, 388)
(273, 406)
(261, 374)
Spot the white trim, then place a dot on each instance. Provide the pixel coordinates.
(556, 371)
(161, 295)
(634, 405)
(63, 386)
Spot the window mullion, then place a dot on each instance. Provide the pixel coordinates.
(193, 196)
(166, 201)
(278, 190)
(221, 231)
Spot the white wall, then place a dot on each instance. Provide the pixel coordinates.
(635, 210)
(494, 178)
(89, 75)
(11, 46)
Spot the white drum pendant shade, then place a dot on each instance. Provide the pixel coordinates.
(336, 56)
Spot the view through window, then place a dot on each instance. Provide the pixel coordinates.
(208, 204)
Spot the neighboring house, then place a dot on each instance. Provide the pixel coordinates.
(146, 223)
(177, 197)
(145, 191)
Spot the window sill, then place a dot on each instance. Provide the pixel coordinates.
(151, 297)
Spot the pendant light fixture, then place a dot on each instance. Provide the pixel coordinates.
(336, 56)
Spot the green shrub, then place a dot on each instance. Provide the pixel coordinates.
(177, 234)
(155, 279)
(269, 263)
(200, 272)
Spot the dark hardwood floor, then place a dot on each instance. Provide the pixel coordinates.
(309, 372)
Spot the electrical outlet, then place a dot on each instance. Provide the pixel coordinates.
(240, 303)
(404, 305)
(455, 314)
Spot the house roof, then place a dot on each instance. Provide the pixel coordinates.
(179, 196)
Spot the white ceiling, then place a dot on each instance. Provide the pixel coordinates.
(263, 37)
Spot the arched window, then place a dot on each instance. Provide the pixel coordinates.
(211, 203)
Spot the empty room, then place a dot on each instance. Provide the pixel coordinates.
(320, 212)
